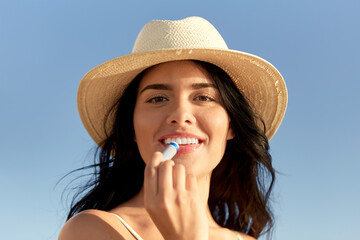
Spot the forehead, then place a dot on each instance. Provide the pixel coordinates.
(176, 72)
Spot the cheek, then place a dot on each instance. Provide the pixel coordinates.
(143, 120)
(140, 122)
(139, 125)
(218, 127)
(217, 123)
(145, 126)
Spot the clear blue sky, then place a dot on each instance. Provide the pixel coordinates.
(47, 46)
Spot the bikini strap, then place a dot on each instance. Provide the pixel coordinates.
(132, 232)
(137, 236)
(239, 237)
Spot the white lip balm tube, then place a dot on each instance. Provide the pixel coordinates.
(170, 151)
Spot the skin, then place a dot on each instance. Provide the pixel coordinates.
(175, 99)
(187, 104)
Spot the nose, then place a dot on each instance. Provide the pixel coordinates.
(181, 114)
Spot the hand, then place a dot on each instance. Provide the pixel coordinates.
(173, 202)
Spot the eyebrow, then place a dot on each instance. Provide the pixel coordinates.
(194, 86)
(203, 85)
(157, 87)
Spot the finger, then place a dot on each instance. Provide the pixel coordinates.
(165, 180)
(151, 176)
(191, 183)
(179, 178)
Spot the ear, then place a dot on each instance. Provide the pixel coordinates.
(230, 134)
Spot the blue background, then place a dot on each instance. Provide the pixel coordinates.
(47, 46)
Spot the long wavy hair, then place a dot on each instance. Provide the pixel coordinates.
(244, 177)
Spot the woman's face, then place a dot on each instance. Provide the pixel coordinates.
(177, 100)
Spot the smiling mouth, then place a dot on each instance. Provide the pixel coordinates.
(182, 141)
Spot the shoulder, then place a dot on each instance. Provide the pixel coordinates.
(225, 233)
(92, 224)
(246, 237)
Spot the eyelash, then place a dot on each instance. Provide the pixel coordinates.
(208, 98)
(160, 99)
(153, 99)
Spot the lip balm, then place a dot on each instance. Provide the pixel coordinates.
(170, 151)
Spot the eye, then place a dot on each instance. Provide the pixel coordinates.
(158, 99)
(204, 98)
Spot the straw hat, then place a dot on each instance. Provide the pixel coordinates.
(190, 38)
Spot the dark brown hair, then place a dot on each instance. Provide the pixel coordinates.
(244, 178)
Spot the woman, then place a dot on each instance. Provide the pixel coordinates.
(181, 83)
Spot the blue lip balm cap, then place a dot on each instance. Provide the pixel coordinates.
(175, 145)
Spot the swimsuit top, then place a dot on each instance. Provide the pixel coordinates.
(137, 236)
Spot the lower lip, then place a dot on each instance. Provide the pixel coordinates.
(186, 148)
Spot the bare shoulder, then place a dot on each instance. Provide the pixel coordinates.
(246, 237)
(92, 224)
(225, 233)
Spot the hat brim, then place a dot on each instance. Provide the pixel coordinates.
(257, 79)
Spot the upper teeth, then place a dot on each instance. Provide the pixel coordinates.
(182, 140)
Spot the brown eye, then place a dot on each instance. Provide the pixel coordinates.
(204, 98)
(158, 99)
